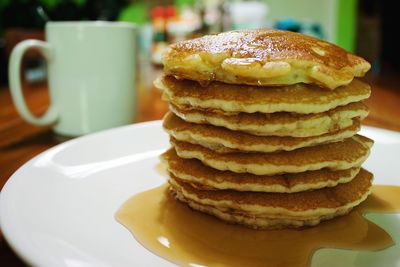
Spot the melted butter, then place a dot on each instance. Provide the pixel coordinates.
(173, 231)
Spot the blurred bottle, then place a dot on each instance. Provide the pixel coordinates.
(158, 21)
(159, 34)
(170, 19)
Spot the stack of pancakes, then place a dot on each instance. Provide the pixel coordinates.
(263, 127)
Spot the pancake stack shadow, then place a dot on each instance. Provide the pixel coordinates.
(263, 128)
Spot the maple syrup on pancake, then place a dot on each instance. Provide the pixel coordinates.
(179, 234)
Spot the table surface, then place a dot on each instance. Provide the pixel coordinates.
(20, 141)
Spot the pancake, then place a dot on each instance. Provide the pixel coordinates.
(277, 124)
(342, 155)
(298, 98)
(196, 173)
(263, 57)
(223, 140)
(258, 223)
(276, 210)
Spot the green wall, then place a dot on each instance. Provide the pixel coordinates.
(346, 24)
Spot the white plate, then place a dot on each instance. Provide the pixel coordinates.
(58, 209)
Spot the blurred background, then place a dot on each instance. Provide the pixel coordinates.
(365, 27)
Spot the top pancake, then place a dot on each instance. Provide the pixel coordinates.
(263, 57)
(298, 98)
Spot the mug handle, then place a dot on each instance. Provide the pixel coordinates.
(15, 83)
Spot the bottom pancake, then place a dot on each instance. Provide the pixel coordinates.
(276, 210)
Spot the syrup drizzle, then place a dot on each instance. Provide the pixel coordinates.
(173, 231)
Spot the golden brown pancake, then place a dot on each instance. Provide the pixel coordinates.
(223, 140)
(263, 57)
(277, 210)
(277, 124)
(204, 177)
(257, 136)
(342, 155)
(298, 98)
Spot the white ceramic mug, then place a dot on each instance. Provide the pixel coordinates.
(91, 74)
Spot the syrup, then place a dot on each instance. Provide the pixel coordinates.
(179, 234)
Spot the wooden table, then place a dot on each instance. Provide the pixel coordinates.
(20, 141)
